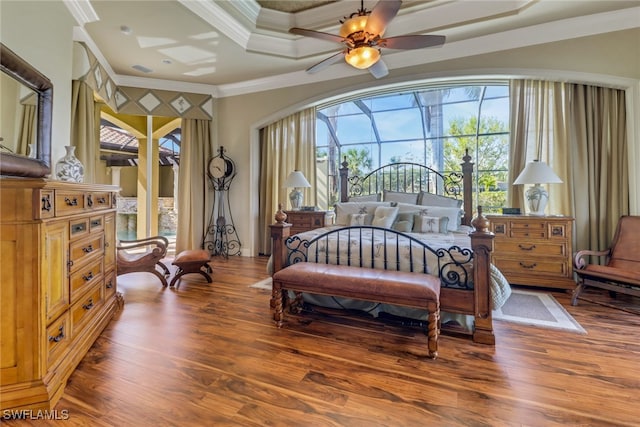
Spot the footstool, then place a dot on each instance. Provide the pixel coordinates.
(192, 261)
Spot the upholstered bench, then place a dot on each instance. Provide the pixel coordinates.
(386, 286)
(192, 261)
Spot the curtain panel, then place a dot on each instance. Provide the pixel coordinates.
(194, 198)
(580, 132)
(85, 128)
(285, 146)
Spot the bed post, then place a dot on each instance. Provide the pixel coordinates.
(482, 245)
(344, 181)
(279, 233)
(467, 187)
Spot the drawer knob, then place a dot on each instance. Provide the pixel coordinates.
(525, 248)
(528, 266)
(89, 200)
(102, 201)
(71, 202)
(88, 306)
(109, 284)
(58, 337)
(88, 277)
(87, 249)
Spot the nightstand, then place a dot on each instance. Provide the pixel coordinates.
(534, 250)
(308, 220)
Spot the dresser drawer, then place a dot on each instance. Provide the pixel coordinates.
(69, 202)
(82, 311)
(100, 200)
(531, 266)
(85, 249)
(78, 228)
(526, 249)
(84, 278)
(96, 223)
(58, 338)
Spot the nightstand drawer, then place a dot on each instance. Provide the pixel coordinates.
(531, 266)
(530, 248)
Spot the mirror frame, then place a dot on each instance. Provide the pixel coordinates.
(23, 72)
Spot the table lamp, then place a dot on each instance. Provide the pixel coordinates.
(296, 180)
(537, 173)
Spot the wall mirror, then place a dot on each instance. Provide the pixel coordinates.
(26, 97)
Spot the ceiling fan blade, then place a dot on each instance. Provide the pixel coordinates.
(379, 69)
(381, 14)
(412, 42)
(316, 34)
(326, 62)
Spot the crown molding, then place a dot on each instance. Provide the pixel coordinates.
(82, 11)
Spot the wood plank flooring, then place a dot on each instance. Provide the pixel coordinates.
(209, 354)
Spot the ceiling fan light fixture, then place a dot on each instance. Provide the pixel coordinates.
(353, 25)
(362, 57)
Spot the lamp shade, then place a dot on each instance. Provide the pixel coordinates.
(536, 172)
(296, 179)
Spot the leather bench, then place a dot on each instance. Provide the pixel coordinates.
(192, 261)
(385, 286)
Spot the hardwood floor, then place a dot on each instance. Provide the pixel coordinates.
(206, 354)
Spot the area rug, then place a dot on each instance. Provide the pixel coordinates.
(263, 284)
(524, 307)
(537, 309)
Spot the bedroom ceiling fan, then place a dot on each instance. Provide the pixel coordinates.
(361, 33)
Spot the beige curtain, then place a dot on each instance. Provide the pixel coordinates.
(28, 132)
(285, 146)
(85, 128)
(597, 126)
(580, 131)
(194, 200)
(539, 132)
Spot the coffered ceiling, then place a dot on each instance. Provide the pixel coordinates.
(239, 46)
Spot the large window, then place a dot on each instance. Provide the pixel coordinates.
(431, 126)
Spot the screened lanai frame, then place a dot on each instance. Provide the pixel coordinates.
(417, 124)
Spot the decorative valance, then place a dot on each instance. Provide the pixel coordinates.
(134, 100)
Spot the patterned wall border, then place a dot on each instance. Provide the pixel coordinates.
(139, 101)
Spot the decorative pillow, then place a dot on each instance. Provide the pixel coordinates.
(430, 224)
(368, 198)
(454, 214)
(396, 196)
(404, 222)
(428, 199)
(360, 219)
(384, 216)
(343, 209)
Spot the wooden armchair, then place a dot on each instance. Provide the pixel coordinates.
(622, 270)
(143, 256)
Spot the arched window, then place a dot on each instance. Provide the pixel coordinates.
(431, 125)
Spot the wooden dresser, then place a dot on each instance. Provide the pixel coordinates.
(534, 250)
(58, 283)
(307, 220)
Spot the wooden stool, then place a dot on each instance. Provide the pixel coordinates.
(192, 261)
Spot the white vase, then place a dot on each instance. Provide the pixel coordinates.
(69, 168)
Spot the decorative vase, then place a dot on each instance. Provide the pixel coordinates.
(69, 168)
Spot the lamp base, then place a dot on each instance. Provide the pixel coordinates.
(537, 198)
(296, 198)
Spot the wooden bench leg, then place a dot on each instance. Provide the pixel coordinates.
(276, 298)
(433, 329)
